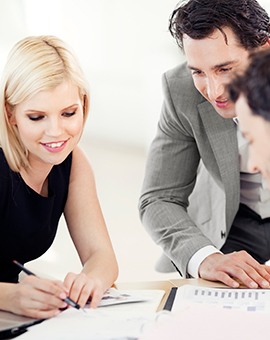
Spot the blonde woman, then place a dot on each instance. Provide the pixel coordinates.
(44, 102)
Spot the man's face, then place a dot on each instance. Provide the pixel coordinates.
(213, 62)
(257, 131)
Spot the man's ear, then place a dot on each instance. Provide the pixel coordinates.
(267, 44)
(10, 116)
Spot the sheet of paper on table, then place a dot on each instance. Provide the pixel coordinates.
(119, 321)
(252, 300)
(132, 300)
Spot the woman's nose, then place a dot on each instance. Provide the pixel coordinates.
(54, 128)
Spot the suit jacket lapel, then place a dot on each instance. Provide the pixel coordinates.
(222, 137)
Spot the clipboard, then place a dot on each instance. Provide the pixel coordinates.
(12, 325)
(170, 299)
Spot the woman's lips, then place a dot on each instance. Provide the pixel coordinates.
(54, 146)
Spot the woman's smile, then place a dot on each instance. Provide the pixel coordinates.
(55, 146)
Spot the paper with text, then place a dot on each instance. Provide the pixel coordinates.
(251, 300)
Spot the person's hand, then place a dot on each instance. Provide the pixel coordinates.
(237, 265)
(37, 298)
(82, 288)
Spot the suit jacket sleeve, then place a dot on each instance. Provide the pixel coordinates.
(171, 174)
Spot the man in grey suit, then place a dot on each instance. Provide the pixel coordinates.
(197, 130)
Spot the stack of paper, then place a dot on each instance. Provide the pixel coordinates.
(215, 313)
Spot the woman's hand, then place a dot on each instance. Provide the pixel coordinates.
(36, 298)
(82, 288)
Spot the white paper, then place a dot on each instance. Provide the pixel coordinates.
(114, 297)
(148, 301)
(205, 322)
(119, 321)
(98, 324)
(251, 300)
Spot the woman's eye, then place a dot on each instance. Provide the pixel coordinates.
(69, 114)
(35, 118)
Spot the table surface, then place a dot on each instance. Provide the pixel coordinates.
(196, 282)
(166, 286)
(162, 285)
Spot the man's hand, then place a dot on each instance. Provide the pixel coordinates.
(237, 265)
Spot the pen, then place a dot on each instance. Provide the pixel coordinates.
(28, 272)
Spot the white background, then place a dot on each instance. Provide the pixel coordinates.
(124, 47)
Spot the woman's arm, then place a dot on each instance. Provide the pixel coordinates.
(89, 234)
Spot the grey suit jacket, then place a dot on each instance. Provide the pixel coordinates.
(191, 135)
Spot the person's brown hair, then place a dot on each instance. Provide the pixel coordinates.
(200, 18)
(254, 84)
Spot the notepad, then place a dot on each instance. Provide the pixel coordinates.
(12, 324)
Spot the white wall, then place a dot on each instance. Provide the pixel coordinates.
(124, 47)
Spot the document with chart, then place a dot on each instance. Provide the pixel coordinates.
(252, 300)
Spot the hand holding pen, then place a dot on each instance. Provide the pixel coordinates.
(67, 300)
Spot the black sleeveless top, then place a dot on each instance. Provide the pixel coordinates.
(28, 221)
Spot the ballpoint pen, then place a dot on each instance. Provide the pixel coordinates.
(28, 272)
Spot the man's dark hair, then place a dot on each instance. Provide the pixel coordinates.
(254, 84)
(200, 18)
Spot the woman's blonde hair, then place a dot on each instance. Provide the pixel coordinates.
(34, 64)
